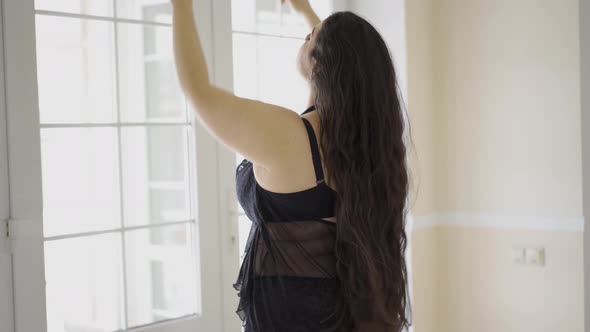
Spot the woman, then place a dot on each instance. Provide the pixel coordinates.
(327, 243)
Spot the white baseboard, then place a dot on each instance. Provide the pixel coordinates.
(568, 224)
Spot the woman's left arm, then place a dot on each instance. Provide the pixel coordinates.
(261, 132)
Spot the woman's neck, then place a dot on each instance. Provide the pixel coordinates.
(311, 101)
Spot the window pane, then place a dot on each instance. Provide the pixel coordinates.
(265, 68)
(245, 65)
(270, 18)
(244, 15)
(262, 16)
(294, 25)
(155, 174)
(145, 10)
(244, 227)
(89, 7)
(76, 72)
(244, 223)
(161, 278)
(279, 80)
(149, 86)
(84, 285)
(80, 180)
(239, 159)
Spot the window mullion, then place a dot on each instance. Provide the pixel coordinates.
(100, 18)
(120, 157)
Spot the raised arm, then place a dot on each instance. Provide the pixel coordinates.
(304, 8)
(261, 132)
(188, 53)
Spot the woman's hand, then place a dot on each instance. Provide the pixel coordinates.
(182, 2)
(300, 6)
(303, 7)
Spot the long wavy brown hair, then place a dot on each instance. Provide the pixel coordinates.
(362, 141)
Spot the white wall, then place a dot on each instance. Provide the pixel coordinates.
(388, 17)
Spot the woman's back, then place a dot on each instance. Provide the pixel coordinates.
(288, 279)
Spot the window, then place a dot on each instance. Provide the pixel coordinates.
(118, 166)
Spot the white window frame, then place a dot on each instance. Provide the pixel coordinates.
(24, 158)
(6, 301)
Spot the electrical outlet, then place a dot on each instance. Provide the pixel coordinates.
(535, 256)
(518, 254)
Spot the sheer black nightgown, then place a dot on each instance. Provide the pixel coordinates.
(287, 281)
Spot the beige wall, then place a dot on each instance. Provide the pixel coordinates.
(421, 107)
(425, 275)
(420, 48)
(508, 86)
(494, 98)
(480, 289)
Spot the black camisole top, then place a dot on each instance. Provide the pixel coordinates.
(287, 281)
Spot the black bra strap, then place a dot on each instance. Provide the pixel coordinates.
(315, 152)
(309, 109)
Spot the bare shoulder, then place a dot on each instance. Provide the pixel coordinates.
(295, 170)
